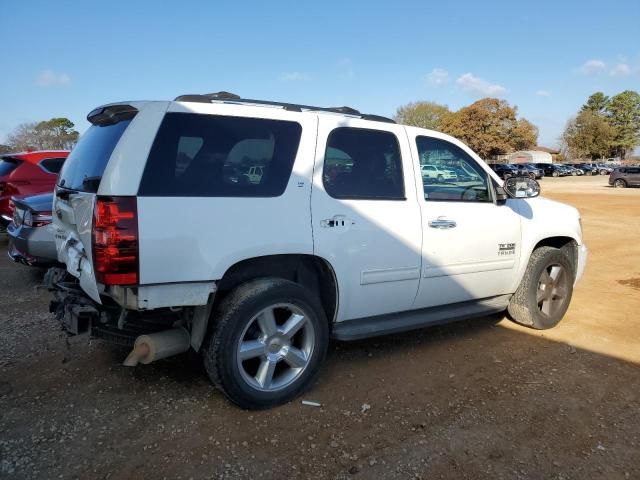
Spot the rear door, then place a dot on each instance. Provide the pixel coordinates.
(74, 201)
(366, 219)
(633, 175)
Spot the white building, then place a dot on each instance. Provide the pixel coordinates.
(530, 156)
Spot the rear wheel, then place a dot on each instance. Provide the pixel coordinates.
(554, 174)
(269, 339)
(544, 294)
(620, 183)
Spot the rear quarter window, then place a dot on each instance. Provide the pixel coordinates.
(220, 156)
(52, 165)
(83, 169)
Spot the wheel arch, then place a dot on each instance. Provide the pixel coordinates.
(311, 271)
(563, 242)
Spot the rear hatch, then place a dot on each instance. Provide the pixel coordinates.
(76, 192)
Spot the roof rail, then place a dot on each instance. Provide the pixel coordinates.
(227, 97)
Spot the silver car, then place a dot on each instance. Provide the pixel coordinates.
(31, 239)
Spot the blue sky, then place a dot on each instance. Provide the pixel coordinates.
(65, 58)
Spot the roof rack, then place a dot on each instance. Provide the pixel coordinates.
(227, 97)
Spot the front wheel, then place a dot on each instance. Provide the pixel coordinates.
(544, 294)
(554, 174)
(619, 183)
(268, 342)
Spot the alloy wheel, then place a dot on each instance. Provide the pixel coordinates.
(553, 288)
(276, 347)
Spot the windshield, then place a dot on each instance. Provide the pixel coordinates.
(84, 168)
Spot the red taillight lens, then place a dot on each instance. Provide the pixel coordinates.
(115, 240)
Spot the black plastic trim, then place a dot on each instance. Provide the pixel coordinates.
(293, 107)
(378, 325)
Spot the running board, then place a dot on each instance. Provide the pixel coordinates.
(425, 317)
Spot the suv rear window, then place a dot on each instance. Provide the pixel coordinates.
(83, 169)
(8, 165)
(197, 155)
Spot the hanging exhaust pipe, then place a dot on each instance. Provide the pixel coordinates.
(155, 346)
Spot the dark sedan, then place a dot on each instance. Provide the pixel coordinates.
(552, 170)
(31, 238)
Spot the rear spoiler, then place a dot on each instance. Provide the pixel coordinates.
(111, 114)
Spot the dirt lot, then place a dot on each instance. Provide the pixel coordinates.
(478, 399)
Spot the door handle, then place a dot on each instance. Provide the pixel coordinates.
(336, 221)
(442, 224)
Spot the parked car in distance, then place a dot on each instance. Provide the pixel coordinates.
(601, 168)
(552, 169)
(623, 177)
(585, 168)
(31, 236)
(437, 173)
(528, 170)
(504, 170)
(27, 173)
(259, 276)
(573, 171)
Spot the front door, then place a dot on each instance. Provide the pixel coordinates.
(471, 245)
(366, 219)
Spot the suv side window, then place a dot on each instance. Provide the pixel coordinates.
(363, 164)
(459, 178)
(197, 155)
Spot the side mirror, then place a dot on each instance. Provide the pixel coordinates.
(521, 187)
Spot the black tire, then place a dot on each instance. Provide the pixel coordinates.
(525, 305)
(620, 183)
(555, 174)
(230, 322)
(440, 179)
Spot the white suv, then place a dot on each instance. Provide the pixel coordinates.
(169, 244)
(434, 172)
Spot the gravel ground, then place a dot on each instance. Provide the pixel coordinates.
(478, 399)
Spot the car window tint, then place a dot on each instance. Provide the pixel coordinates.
(52, 165)
(363, 164)
(449, 173)
(220, 156)
(88, 160)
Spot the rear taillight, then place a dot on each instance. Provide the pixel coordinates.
(115, 240)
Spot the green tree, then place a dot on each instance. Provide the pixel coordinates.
(491, 127)
(422, 114)
(623, 113)
(596, 103)
(588, 135)
(56, 133)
